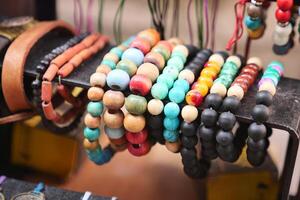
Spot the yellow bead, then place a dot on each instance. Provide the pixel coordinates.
(205, 80)
(202, 88)
(214, 65)
(209, 72)
(255, 34)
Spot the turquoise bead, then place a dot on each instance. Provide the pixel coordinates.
(100, 156)
(110, 63)
(171, 124)
(176, 94)
(230, 66)
(91, 134)
(171, 110)
(183, 84)
(159, 91)
(176, 62)
(95, 108)
(164, 78)
(134, 55)
(270, 73)
(117, 51)
(129, 40)
(276, 63)
(117, 79)
(171, 136)
(171, 71)
(179, 54)
(251, 23)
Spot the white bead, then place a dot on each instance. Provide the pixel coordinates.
(189, 113)
(235, 60)
(237, 91)
(255, 60)
(280, 40)
(187, 75)
(217, 58)
(155, 106)
(268, 86)
(283, 30)
(218, 88)
(182, 48)
(98, 79)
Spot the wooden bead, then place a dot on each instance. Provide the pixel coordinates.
(111, 56)
(137, 138)
(140, 150)
(103, 69)
(141, 44)
(189, 113)
(95, 93)
(236, 60)
(140, 84)
(113, 99)
(155, 106)
(182, 48)
(149, 70)
(113, 118)
(173, 146)
(91, 122)
(268, 86)
(98, 79)
(119, 141)
(134, 123)
(255, 60)
(187, 75)
(119, 148)
(219, 88)
(136, 104)
(257, 33)
(156, 59)
(254, 11)
(217, 58)
(237, 91)
(175, 41)
(90, 145)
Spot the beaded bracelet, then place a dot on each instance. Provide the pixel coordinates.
(212, 103)
(119, 79)
(95, 108)
(231, 103)
(254, 20)
(283, 30)
(36, 86)
(257, 132)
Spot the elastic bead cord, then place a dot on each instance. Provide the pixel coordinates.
(230, 105)
(283, 31)
(37, 84)
(257, 142)
(254, 21)
(95, 108)
(212, 104)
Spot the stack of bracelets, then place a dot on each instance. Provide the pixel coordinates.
(254, 21)
(283, 31)
(257, 142)
(227, 120)
(37, 84)
(212, 104)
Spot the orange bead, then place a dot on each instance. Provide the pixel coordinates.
(205, 80)
(213, 64)
(194, 98)
(202, 88)
(209, 72)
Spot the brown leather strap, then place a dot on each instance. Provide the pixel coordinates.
(16, 117)
(14, 63)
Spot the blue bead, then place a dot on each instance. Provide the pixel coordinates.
(91, 134)
(159, 91)
(171, 136)
(176, 95)
(134, 55)
(114, 133)
(171, 110)
(117, 51)
(171, 71)
(181, 83)
(117, 79)
(171, 124)
(95, 108)
(99, 156)
(110, 63)
(164, 78)
(176, 62)
(251, 23)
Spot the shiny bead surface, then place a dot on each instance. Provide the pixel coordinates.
(171, 110)
(159, 91)
(155, 106)
(156, 59)
(117, 79)
(134, 123)
(134, 55)
(95, 108)
(140, 84)
(189, 113)
(136, 104)
(171, 124)
(113, 99)
(149, 70)
(95, 94)
(285, 4)
(128, 66)
(91, 134)
(282, 16)
(113, 118)
(170, 136)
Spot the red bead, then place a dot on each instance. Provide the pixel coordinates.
(194, 98)
(285, 4)
(119, 141)
(139, 149)
(140, 84)
(137, 138)
(249, 70)
(248, 77)
(282, 16)
(142, 45)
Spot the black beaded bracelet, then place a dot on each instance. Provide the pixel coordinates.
(57, 100)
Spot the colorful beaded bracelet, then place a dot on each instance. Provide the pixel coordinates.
(37, 84)
(212, 104)
(254, 20)
(231, 103)
(257, 142)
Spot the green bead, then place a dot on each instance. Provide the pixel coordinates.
(179, 54)
(171, 71)
(162, 51)
(171, 124)
(270, 73)
(176, 62)
(183, 84)
(176, 95)
(276, 63)
(91, 134)
(136, 104)
(159, 91)
(95, 108)
(110, 63)
(127, 66)
(164, 78)
(230, 65)
(171, 110)
(224, 81)
(117, 51)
